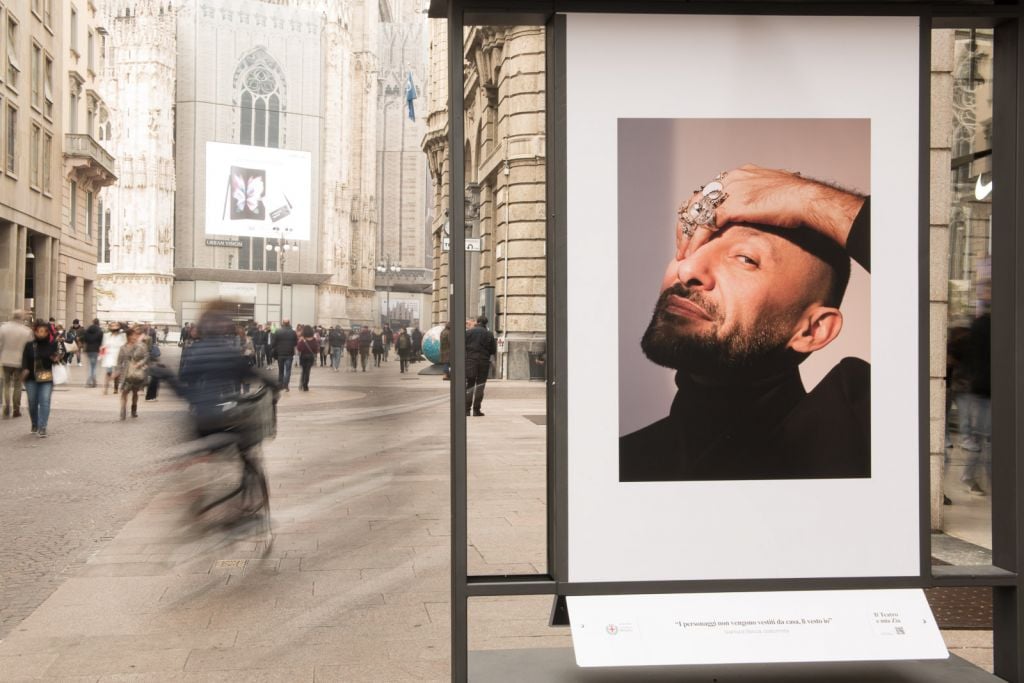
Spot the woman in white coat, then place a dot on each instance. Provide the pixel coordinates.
(113, 340)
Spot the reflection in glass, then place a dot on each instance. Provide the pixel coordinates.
(968, 452)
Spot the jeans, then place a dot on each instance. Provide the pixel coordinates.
(403, 362)
(12, 389)
(260, 355)
(284, 370)
(364, 354)
(336, 358)
(976, 427)
(39, 394)
(93, 357)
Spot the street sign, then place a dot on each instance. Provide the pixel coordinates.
(472, 243)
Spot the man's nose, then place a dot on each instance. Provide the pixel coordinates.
(695, 271)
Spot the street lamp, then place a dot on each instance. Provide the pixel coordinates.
(281, 248)
(387, 267)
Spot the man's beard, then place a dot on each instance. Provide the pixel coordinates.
(749, 354)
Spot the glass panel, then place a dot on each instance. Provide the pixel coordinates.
(244, 253)
(505, 285)
(961, 297)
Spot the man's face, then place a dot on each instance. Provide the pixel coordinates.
(734, 304)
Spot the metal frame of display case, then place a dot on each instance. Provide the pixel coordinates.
(1004, 575)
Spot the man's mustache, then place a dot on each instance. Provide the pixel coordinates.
(693, 295)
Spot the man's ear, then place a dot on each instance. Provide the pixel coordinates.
(818, 327)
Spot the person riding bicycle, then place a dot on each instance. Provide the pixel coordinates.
(214, 370)
(212, 373)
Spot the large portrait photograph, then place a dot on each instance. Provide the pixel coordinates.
(744, 299)
(744, 323)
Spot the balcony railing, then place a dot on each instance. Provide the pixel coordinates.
(80, 146)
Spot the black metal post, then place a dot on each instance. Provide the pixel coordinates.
(1007, 354)
(457, 306)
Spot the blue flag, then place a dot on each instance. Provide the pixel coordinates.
(410, 95)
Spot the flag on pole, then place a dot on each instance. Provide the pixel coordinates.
(410, 95)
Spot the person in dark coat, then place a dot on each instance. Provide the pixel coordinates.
(365, 342)
(37, 361)
(403, 347)
(284, 348)
(92, 338)
(417, 344)
(480, 346)
(336, 339)
(308, 348)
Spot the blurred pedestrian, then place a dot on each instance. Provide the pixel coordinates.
(352, 348)
(321, 339)
(403, 346)
(308, 348)
(365, 342)
(113, 340)
(73, 342)
(389, 339)
(417, 344)
(284, 350)
(446, 345)
(132, 368)
(93, 340)
(378, 347)
(153, 383)
(14, 335)
(336, 340)
(37, 360)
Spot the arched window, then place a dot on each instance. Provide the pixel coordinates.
(261, 90)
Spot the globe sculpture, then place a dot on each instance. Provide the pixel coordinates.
(432, 344)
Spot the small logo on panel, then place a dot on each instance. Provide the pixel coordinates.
(612, 629)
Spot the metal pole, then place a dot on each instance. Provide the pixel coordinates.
(457, 292)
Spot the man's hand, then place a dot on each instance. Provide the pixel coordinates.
(765, 196)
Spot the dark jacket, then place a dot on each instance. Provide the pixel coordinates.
(480, 345)
(365, 339)
(38, 355)
(336, 338)
(93, 339)
(285, 340)
(308, 347)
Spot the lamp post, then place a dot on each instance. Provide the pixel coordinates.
(386, 268)
(281, 248)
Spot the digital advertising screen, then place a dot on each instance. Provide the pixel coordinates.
(257, 191)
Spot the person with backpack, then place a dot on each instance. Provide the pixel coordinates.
(404, 348)
(352, 348)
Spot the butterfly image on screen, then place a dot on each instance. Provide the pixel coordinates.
(247, 187)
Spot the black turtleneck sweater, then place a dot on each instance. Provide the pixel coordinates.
(772, 429)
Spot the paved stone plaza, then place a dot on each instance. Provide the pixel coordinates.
(101, 581)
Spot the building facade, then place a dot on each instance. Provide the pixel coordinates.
(53, 166)
(301, 75)
(404, 276)
(505, 190)
(134, 240)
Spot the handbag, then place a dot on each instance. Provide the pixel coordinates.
(70, 347)
(60, 373)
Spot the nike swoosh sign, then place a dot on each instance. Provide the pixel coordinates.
(981, 190)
